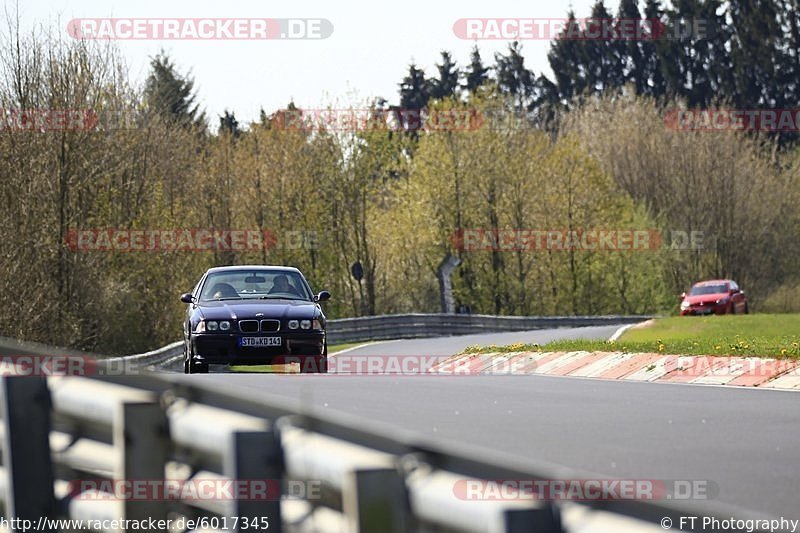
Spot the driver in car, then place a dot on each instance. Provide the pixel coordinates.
(281, 285)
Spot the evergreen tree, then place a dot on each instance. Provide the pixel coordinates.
(565, 60)
(653, 49)
(755, 55)
(228, 123)
(512, 76)
(447, 83)
(628, 48)
(476, 74)
(602, 64)
(170, 95)
(415, 91)
(697, 64)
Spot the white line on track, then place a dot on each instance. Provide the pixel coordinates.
(357, 347)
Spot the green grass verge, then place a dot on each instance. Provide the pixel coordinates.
(268, 369)
(751, 335)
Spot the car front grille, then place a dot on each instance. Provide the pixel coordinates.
(270, 325)
(248, 326)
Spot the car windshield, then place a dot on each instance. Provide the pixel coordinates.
(252, 284)
(698, 290)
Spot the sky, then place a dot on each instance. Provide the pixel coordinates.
(366, 56)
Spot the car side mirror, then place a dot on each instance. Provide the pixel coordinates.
(683, 295)
(187, 298)
(323, 296)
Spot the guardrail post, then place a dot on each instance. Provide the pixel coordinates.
(140, 433)
(546, 519)
(376, 501)
(26, 448)
(255, 456)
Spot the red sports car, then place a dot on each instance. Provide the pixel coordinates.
(718, 296)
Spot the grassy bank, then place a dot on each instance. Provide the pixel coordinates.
(751, 335)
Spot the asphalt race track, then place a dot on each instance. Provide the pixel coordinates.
(746, 441)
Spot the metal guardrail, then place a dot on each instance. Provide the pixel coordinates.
(344, 330)
(408, 326)
(414, 325)
(59, 432)
(158, 359)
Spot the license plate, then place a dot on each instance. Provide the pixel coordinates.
(259, 342)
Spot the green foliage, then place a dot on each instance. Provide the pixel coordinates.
(392, 201)
(732, 335)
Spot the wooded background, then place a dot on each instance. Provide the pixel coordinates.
(587, 149)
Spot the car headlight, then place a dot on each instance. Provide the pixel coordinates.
(212, 325)
(722, 301)
(305, 324)
(200, 327)
(293, 324)
(684, 305)
(316, 324)
(224, 325)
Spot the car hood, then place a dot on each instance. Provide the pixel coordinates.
(242, 309)
(705, 298)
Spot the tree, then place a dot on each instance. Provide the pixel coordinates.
(415, 91)
(697, 64)
(476, 74)
(229, 124)
(652, 51)
(170, 95)
(447, 83)
(600, 56)
(513, 77)
(565, 60)
(628, 49)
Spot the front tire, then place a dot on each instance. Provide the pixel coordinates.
(190, 367)
(198, 368)
(317, 364)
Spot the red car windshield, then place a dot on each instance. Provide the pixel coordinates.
(698, 290)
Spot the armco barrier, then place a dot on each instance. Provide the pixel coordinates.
(158, 359)
(65, 439)
(380, 327)
(411, 326)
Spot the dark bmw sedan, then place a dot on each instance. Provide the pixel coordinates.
(254, 315)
